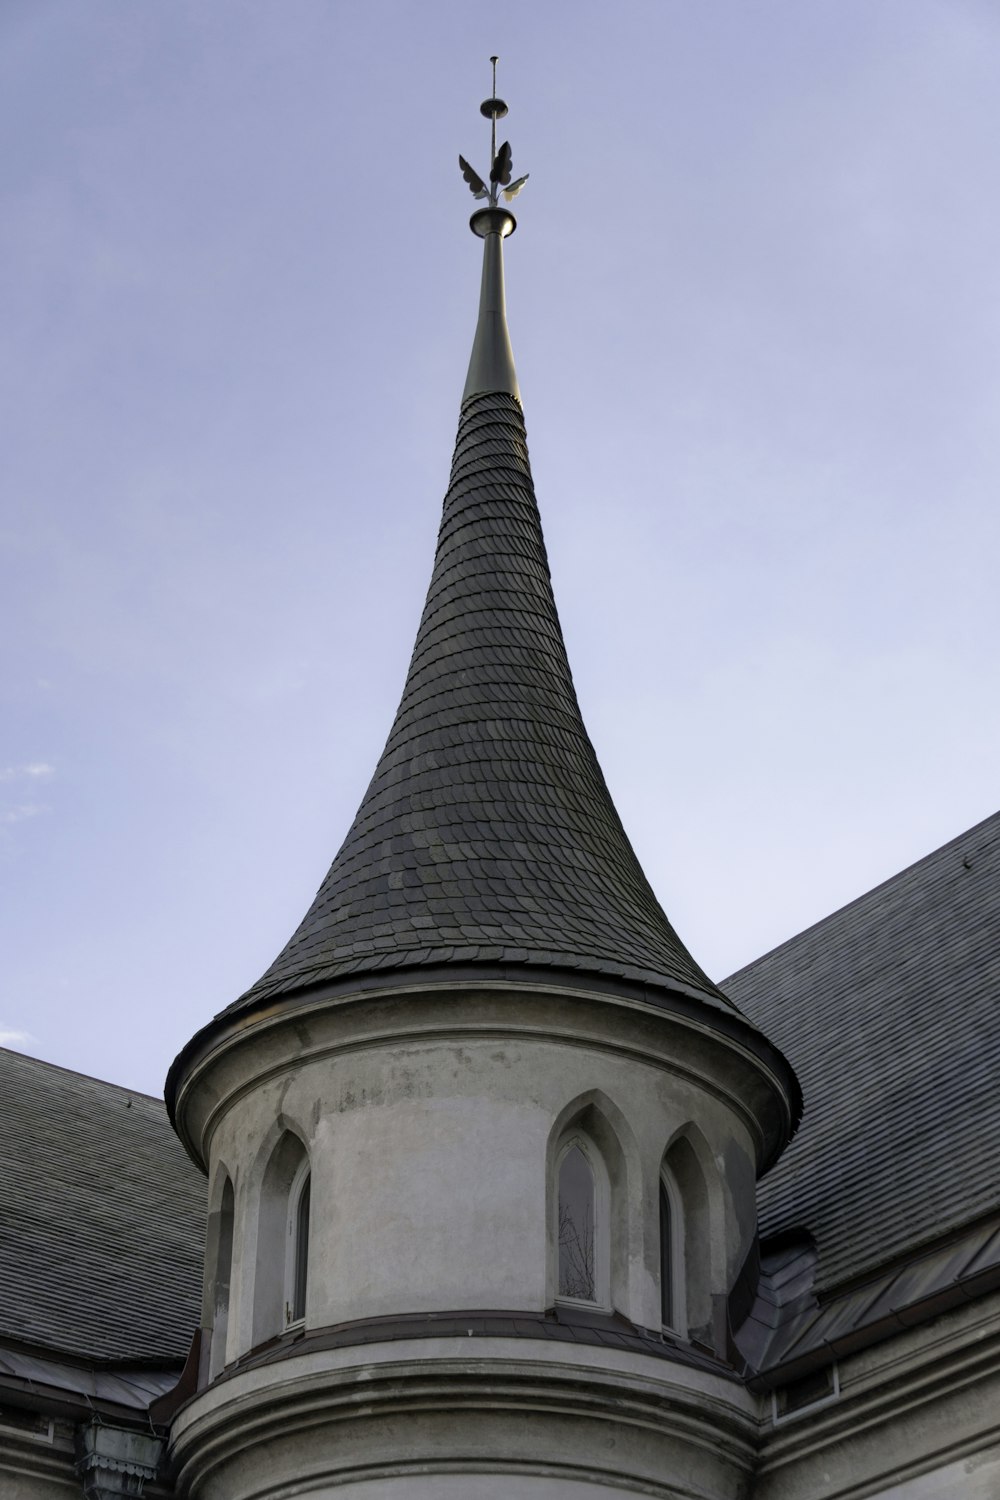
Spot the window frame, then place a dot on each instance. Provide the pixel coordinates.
(296, 1263)
(223, 1255)
(673, 1263)
(601, 1301)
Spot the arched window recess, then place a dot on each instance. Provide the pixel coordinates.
(297, 1246)
(282, 1250)
(672, 1305)
(582, 1231)
(221, 1252)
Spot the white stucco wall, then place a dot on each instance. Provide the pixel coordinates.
(432, 1122)
(433, 1165)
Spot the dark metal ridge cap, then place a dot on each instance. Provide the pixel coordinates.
(676, 999)
(70, 1406)
(978, 1231)
(976, 1278)
(31, 1391)
(855, 1340)
(559, 1325)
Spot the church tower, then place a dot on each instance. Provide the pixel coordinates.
(482, 1142)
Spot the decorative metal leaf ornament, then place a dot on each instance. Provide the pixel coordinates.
(502, 165)
(515, 187)
(501, 162)
(472, 177)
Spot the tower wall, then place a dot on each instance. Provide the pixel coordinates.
(432, 1122)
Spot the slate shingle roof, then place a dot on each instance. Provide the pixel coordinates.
(487, 833)
(101, 1219)
(889, 1011)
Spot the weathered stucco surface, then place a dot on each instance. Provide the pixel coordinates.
(433, 1156)
(433, 1123)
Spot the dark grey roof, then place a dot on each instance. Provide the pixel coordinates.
(101, 1219)
(109, 1389)
(889, 1011)
(789, 1328)
(487, 833)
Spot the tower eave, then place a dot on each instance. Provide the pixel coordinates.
(323, 1009)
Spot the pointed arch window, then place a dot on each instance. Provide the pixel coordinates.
(282, 1251)
(581, 1222)
(297, 1252)
(222, 1279)
(577, 1226)
(671, 1256)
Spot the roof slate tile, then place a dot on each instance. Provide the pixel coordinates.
(488, 787)
(101, 1218)
(900, 1139)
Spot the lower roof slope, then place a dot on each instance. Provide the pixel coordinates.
(101, 1219)
(487, 833)
(889, 1011)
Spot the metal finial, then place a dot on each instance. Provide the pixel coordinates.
(494, 109)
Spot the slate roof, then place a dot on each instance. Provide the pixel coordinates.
(889, 1011)
(101, 1219)
(789, 1329)
(487, 833)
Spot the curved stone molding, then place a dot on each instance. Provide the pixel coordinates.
(529, 1419)
(633, 1021)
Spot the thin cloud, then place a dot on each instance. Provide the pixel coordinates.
(10, 1036)
(34, 771)
(22, 813)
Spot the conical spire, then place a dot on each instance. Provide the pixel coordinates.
(487, 834)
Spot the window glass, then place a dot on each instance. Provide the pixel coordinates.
(223, 1275)
(666, 1259)
(577, 1271)
(300, 1264)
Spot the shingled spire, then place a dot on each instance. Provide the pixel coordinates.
(487, 834)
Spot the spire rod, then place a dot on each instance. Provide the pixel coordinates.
(491, 367)
(500, 161)
(493, 129)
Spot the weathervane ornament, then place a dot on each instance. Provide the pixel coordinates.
(500, 161)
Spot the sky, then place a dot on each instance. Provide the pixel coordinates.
(754, 299)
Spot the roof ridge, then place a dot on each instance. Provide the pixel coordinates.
(873, 890)
(107, 1083)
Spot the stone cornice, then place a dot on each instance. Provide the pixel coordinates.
(341, 1413)
(720, 1053)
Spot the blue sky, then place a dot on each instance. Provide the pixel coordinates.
(754, 299)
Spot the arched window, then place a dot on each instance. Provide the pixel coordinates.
(671, 1255)
(279, 1295)
(577, 1227)
(685, 1242)
(297, 1253)
(221, 1280)
(582, 1228)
